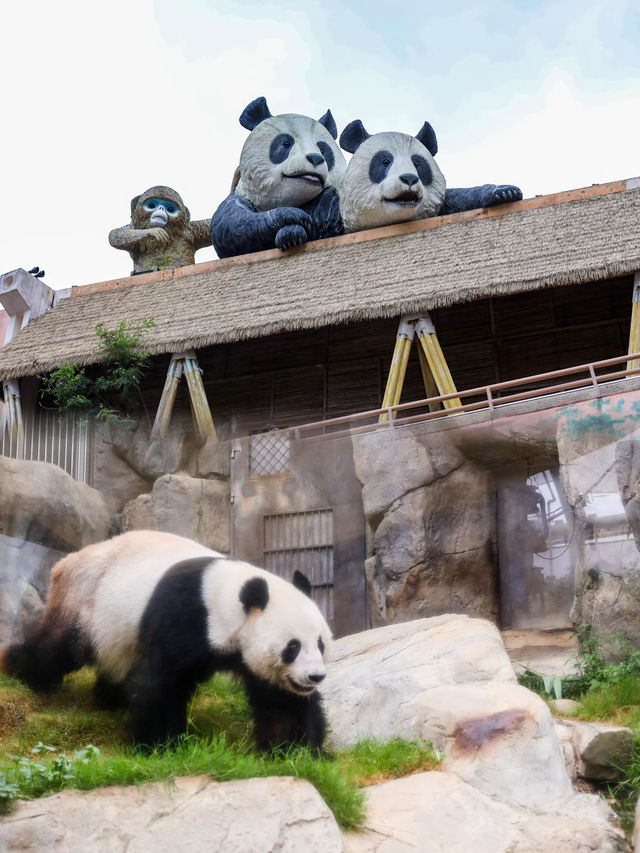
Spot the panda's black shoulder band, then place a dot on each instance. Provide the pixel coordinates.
(254, 593)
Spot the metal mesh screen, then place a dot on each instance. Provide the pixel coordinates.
(303, 541)
(268, 454)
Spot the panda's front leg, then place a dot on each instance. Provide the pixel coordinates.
(157, 705)
(282, 719)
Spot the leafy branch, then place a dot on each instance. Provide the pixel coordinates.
(113, 394)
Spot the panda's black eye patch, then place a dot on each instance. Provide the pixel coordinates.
(321, 645)
(291, 651)
(281, 147)
(379, 166)
(423, 169)
(327, 153)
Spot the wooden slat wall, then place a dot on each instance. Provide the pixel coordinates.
(305, 376)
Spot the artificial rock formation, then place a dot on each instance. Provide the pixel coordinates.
(504, 787)
(193, 813)
(44, 514)
(187, 506)
(431, 520)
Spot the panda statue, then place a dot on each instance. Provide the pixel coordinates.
(157, 614)
(393, 177)
(283, 192)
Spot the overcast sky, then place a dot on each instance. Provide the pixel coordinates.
(103, 100)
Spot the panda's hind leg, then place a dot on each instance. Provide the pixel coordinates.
(109, 694)
(42, 660)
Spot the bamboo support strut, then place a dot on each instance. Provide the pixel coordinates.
(435, 373)
(11, 393)
(634, 331)
(436, 361)
(184, 364)
(199, 405)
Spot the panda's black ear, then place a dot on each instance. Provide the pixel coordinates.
(329, 122)
(302, 583)
(353, 136)
(427, 136)
(254, 593)
(254, 113)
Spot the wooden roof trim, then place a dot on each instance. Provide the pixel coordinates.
(363, 236)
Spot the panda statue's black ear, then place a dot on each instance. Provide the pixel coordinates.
(302, 583)
(254, 113)
(254, 594)
(427, 136)
(353, 136)
(328, 121)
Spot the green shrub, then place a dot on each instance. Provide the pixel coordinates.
(111, 394)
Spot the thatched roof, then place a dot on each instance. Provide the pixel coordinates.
(581, 236)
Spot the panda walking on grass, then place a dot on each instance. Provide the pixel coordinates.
(157, 614)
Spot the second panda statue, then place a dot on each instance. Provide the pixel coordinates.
(393, 177)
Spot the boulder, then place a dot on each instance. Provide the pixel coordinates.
(595, 751)
(44, 514)
(440, 813)
(41, 503)
(187, 506)
(449, 680)
(193, 813)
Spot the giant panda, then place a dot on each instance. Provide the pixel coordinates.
(283, 192)
(393, 177)
(157, 614)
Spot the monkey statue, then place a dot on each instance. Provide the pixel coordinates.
(161, 235)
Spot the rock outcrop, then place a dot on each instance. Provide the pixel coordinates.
(192, 814)
(449, 680)
(44, 514)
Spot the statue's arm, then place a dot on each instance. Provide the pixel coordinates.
(236, 228)
(487, 195)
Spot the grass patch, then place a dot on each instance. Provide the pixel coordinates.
(218, 743)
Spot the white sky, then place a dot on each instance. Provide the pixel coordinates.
(103, 100)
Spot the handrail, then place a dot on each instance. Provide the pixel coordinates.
(490, 402)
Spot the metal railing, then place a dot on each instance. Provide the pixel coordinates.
(492, 396)
(46, 436)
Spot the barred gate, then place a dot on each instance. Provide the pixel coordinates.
(303, 541)
(46, 436)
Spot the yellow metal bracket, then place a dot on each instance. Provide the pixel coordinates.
(184, 364)
(435, 372)
(634, 331)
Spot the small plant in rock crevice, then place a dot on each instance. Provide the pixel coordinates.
(111, 391)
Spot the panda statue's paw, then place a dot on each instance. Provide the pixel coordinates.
(290, 236)
(503, 193)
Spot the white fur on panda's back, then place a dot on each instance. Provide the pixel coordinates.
(132, 566)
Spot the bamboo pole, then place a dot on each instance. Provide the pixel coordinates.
(430, 387)
(436, 361)
(199, 403)
(11, 391)
(634, 331)
(165, 406)
(398, 368)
